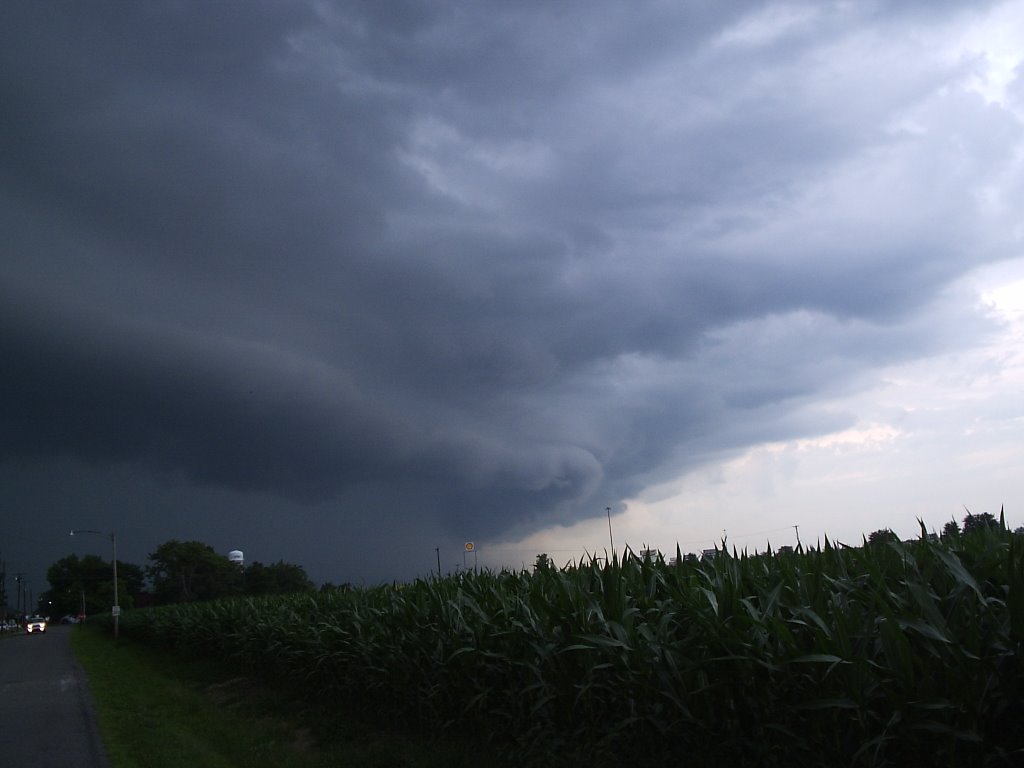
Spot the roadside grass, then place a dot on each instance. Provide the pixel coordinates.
(157, 710)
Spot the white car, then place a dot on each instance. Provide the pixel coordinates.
(35, 624)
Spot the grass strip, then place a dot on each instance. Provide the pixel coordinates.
(157, 710)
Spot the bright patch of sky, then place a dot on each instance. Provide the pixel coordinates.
(993, 44)
(934, 439)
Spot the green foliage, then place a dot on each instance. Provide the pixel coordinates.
(90, 578)
(278, 578)
(983, 521)
(189, 571)
(883, 655)
(159, 710)
(882, 536)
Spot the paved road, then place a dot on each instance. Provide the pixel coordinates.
(46, 713)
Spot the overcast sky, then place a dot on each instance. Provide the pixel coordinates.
(341, 283)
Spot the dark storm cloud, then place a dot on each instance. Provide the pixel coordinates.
(492, 266)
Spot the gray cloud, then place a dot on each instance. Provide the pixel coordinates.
(435, 267)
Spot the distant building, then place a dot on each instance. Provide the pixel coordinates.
(689, 557)
(236, 556)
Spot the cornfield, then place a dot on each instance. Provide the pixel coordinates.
(888, 654)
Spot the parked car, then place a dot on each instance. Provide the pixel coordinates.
(35, 624)
(69, 619)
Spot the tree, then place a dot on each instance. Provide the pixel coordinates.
(881, 536)
(981, 522)
(90, 579)
(188, 571)
(278, 578)
(328, 586)
(951, 530)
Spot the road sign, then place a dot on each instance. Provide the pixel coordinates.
(469, 546)
(115, 611)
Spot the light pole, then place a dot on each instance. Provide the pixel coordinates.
(116, 610)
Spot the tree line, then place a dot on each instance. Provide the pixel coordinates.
(177, 572)
(951, 530)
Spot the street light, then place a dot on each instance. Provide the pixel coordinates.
(116, 610)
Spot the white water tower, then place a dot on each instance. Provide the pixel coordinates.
(236, 557)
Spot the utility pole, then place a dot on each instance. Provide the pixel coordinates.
(116, 609)
(611, 541)
(437, 551)
(19, 579)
